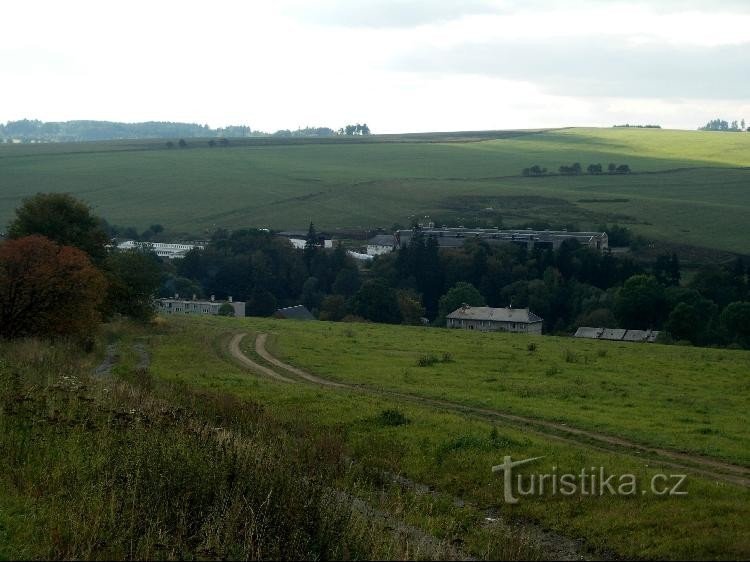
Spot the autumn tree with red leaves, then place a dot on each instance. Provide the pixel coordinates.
(47, 289)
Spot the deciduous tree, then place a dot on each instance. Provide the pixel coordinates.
(47, 290)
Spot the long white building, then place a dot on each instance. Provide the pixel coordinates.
(161, 249)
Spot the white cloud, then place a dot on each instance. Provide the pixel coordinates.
(400, 65)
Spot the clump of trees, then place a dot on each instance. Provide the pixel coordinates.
(534, 170)
(57, 277)
(47, 289)
(576, 169)
(354, 130)
(722, 125)
(629, 126)
(573, 170)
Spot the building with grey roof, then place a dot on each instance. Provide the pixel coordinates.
(546, 239)
(211, 307)
(488, 319)
(298, 312)
(617, 334)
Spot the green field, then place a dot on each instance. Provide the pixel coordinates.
(109, 441)
(684, 183)
(685, 400)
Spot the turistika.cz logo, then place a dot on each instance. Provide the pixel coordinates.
(593, 481)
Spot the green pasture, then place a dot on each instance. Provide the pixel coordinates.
(680, 396)
(688, 187)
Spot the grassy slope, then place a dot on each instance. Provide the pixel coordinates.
(684, 398)
(454, 454)
(285, 184)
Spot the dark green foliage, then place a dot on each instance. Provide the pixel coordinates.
(736, 321)
(392, 418)
(334, 308)
(641, 303)
(378, 302)
(226, 309)
(64, 220)
(461, 293)
(134, 277)
(261, 303)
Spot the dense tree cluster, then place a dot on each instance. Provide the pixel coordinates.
(265, 271)
(576, 169)
(352, 130)
(72, 131)
(722, 125)
(575, 286)
(57, 277)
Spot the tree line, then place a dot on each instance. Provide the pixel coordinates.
(722, 125)
(34, 130)
(576, 169)
(59, 276)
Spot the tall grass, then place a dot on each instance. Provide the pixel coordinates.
(106, 469)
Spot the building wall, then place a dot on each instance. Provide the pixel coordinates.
(493, 326)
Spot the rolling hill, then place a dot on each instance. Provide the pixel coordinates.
(683, 186)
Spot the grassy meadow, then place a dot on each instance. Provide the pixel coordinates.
(172, 456)
(684, 183)
(691, 399)
(453, 453)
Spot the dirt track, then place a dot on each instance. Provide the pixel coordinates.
(234, 349)
(705, 466)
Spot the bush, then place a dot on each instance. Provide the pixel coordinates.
(392, 418)
(426, 361)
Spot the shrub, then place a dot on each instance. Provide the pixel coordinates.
(426, 361)
(392, 418)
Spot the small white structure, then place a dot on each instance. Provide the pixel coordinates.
(359, 256)
(163, 250)
(194, 306)
(300, 243)
(488, 319)
(381, 244)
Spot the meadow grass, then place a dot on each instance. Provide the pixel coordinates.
(686, 399)
(127, 467)
(368, 183)
(453, 453)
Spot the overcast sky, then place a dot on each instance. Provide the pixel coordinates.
(398, 65)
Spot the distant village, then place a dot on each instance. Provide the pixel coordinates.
(479, 318)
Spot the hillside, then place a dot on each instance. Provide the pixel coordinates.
(683, 183)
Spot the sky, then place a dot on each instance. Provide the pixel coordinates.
(397, 65)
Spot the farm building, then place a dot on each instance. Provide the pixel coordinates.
(552, 239)
(194, 306)
(381, 244)
(487, 319)
(299, 312)
(617, 334)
